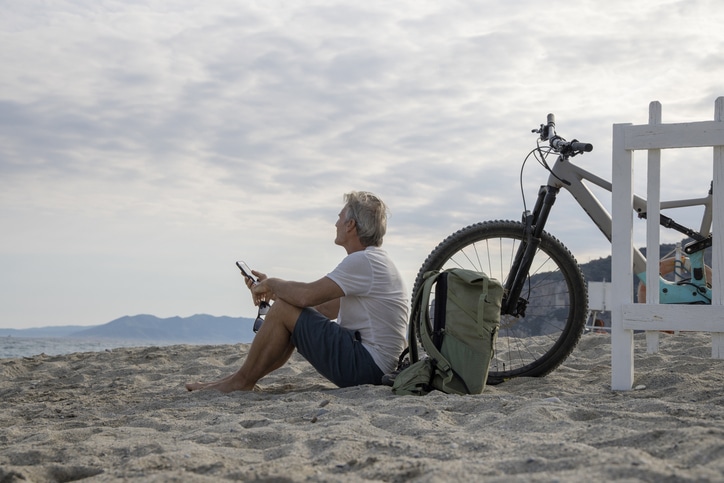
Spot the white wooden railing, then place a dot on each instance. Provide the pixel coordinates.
(652, 316)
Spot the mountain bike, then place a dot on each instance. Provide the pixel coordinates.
(545, 304)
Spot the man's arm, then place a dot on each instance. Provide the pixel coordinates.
(329, 309)
(300, 294)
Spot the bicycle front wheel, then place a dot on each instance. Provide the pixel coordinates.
(555, 292)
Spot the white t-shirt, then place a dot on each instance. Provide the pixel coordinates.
(375, 303)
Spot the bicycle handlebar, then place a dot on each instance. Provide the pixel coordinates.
(550, 126)
(548, 133)
(584, 147)
(563, 146)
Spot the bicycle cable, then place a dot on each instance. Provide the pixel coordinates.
(542, 161)
(540, 156)
(522, 168)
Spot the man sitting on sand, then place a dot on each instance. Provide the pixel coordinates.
(365, 293)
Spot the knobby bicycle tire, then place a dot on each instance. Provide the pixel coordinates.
(555, 291)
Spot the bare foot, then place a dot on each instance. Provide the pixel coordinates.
(226, 385)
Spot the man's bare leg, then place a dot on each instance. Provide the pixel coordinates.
(270, 350)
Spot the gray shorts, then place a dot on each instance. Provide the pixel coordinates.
(335, 352)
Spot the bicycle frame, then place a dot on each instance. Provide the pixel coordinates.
(563, 169)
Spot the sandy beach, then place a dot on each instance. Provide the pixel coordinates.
(124, 414)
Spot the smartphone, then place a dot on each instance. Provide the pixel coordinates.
(246, 271)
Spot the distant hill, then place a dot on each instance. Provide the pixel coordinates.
(57, 331)
(199, 329)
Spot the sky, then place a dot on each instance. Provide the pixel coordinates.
(145, 146)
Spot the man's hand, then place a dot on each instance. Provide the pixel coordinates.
(260, 292)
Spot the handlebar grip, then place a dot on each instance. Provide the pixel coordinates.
(565, 147)
(586, 147)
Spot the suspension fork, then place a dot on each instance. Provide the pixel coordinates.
(534, 224)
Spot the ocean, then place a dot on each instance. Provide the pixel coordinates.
(12, 347)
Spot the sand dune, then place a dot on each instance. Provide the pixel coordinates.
(124, 414)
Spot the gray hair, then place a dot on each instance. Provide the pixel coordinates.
(370, 216)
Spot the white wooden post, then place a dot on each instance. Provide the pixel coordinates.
(652, 316)
(653, 211)
(622, 369)
(717, 343)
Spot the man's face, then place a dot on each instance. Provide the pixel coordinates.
(341, 226)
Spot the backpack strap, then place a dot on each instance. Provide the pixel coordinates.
(440, 309)
(419, 307)
(425, 328)
(413, 329)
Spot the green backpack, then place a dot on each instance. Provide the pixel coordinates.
(458, 330)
